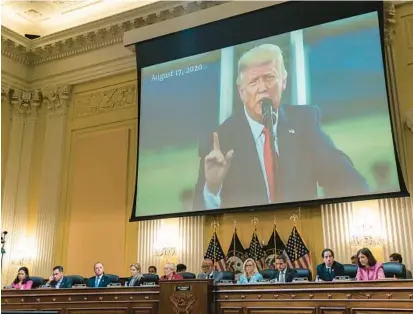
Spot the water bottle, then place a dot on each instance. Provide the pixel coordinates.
(126, 283)
(317, 279)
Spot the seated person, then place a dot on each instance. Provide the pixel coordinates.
(328, 270)
(136, 276)
(100, 280)
(397, 258)
(251, 273)
(180, 268)
(354, 259)
(207, 269)
(283, 273)
(22, 280)
(170, 273)
(152, 270)
(58, 279)
(368, 267)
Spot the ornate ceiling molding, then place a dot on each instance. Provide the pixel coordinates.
(94, 35)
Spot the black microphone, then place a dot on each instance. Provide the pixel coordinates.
(267, 113)
(5, 232)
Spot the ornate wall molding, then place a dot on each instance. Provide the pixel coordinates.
(56, 99)
(94, 35)
(105, 100)
(22, 102)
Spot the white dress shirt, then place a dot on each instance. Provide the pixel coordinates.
(214, 201)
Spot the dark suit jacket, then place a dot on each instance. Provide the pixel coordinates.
(66, 283)
(307, 157)
(289, 275)
(104, 281)
(337, 269)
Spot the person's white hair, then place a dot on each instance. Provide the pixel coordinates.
(260, 55)
(171, 266)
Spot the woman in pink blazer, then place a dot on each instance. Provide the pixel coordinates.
(368, 267)
(22, 280)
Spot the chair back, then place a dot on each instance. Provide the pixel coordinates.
(226, 275)
(76, 279)
(112, 278)
(187, 275)
(268, 273)
(392, 269)
(350, 270)
(304, 273)
(37, 281)
(150, 278)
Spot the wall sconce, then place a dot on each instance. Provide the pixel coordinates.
(24, 252)
(167, 242)
(366, 231)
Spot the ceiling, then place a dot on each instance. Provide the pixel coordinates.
(48, 17)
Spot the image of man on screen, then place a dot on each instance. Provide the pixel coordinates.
(246, 162)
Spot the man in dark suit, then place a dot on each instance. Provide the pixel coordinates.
(282, 272)
(245, 163)
(330, 269)
(100, 280)
(58, 280)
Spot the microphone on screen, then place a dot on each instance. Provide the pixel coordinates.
(268, 115)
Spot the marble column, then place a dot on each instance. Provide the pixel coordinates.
(191, 235)
(56, 100)
(147, 237)
(16, 190)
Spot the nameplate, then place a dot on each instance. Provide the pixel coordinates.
(79, 286)
(298, 279)
(342, 278)
(226, 281)
(149, 284)
(183, 288)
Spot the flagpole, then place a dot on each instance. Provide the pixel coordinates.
(235, 232)
(215, 224)
(294, 218)
(275, 237)
(255, 221)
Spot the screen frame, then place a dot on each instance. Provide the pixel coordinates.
(311, 14)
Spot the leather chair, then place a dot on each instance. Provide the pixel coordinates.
(226, 275)
(113, 278)
(37, 281)
(304, 273)
(392, 270)
(350, 270)
(268, 273)
(187, 275)
(150, 278)
(77, 280)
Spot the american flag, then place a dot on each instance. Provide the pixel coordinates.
(297, 251)
(216, 254)
(256, 251)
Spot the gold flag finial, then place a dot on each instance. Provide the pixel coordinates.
(235, 224)
(255, 221)
(294, 218)
(214, 224)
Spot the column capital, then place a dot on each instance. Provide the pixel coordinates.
(57, 99)
(389, 22)
(23, 102)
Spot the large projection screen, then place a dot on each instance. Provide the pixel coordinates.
(205, 144)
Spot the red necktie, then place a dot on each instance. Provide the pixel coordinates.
(269, 164)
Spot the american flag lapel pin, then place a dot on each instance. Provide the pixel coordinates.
(291, 131)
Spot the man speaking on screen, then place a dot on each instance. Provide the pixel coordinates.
(270, 153)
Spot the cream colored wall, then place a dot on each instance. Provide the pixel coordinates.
(96, 185)
(98, 178)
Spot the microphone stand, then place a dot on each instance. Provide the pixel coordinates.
(3, 251)
(269, 119)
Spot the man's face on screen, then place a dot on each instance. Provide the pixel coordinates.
(261, 81)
